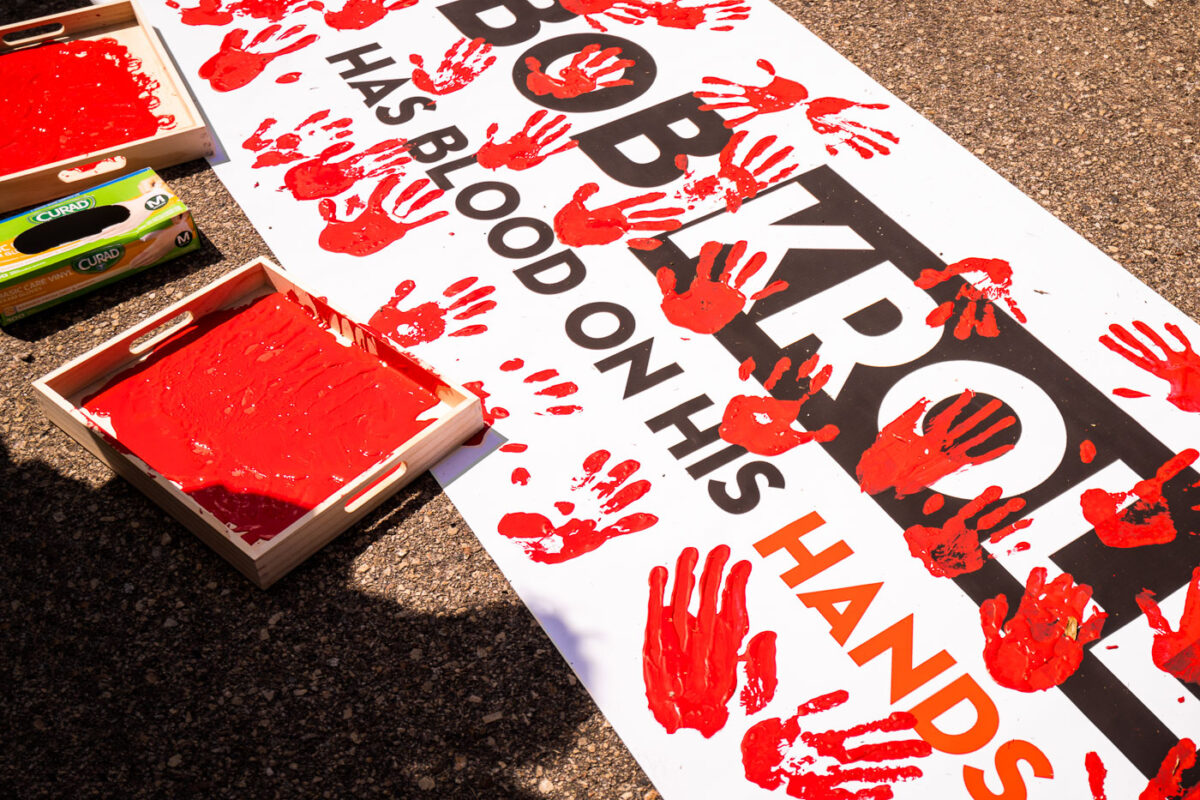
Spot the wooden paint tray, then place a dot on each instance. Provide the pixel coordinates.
(68, 397)
(124, 22)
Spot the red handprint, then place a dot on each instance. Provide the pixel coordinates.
(321, 176)
(557, 390)
(909, 458)
(827, 117)
(953, 549)
(689, 661)
(1179, 368)
(375, 228)
(526, 148)
(1145, 521)
(427, 321)
(994, 283)
(632, 12)
(779, 94)
(358, 14)
(212, 12)
(285, 148)
(1042, 645)
(708, 305)
(1167, 784)
(763, 425)
(818, 764)
(238, 63)
(547, 543)
(464, 62)
(673, 15)
(577, 225)
(208, 12)
(1176, 651)
(738, 182)
(581, 76)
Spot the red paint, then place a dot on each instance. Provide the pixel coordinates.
(746, 368)
(827, 116)
(581, 76)
(547, 543)
(207, 412)
(709, 305)
(763, 425)
(356, 15)
(1145, 521)
(632, 12)
(953, 549)
(1167, 784)
(1087, 451)
(1020, 547)
(1130, 393)
(738, 181)
(1179, 368)
(994, 283)
(321, 176)
(909, 456)
(286, 148)
(689, 661)
(528, 147)
(68, 99)
(464, 62)
(1096, 774)
(288, 77)
(211, 12)
(818, 765)
(238, 63)
(490, 415)
(1042, 645)
(512, 365)
(520, 476)
(1176, 651)
(933, 504)
(513, 447)
(717, 15)
(576, 225)
(778, 94)
(427, 321)
(376, 227)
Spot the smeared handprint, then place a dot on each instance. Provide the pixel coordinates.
(1176, 651)
(465, 61)
(237, 63)
(376, 227)
(994, 282)
(529, 146)
(1145, 521)
(426, 322)
(763, 425)
(577, 225)
(717, 16)
(356, 15)
(582, 75)
(709, 305)
(1179, 368)
(1167, 784)
(738, 181)
(953, 548)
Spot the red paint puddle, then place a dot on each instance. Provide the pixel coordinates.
(237, 63)
(356, 15)
(953, 549)
(818, 765)
(735, 182)
(1087, 451)
(214, 12)
(582, 75)
(426, 321)
(68, 99)
(206, 411)
(376, 227)
(709, 305)
(994, 283)
(1167, 784)
(288, 77)
(547, 543)
(763, 425)
(778, 94)
(520, 476)
(1145, 521)
(464, 62)
(513, 447)
(1042, 645)
(528, 147)
(905, 458)
(1176, 651)
(689, 661)
(576, 225)
(1179, 368)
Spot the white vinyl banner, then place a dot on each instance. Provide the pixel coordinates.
(834, 465)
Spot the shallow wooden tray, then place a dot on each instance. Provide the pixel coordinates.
(61, 394)
(124, 22)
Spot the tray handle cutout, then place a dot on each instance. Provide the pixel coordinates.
(373, 490)
(155, 335)
(84, 171)
(38, 33)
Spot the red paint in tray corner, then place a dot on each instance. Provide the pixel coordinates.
(260, 415)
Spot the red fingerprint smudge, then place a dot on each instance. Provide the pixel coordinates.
(465, 61)
(377, 226)
(528, 147)
(520, 476)
(1176, 651)
(1087, 451)
(953, 549)
(763, 425)
(513, 447)
(818, 764)
(933, 504)
(1096, 774)
(909, 458)
(993, 284)
(512, 365)
(288, 77)
(736, 181)
(426, 321)
(1145, 521)
(689, 661)
(1130, 393)
(1179, 368)
(708, 305)
(237, 63)
(68, 99)
(581, 76)
(1042, 645)
(576, 225)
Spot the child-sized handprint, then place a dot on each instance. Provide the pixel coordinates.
(528, 147)
(953, 548)
(1176, 651)
(427, 321)
(547, 543)
(778, 94)
(689, 661)
(464, 62)
(819, 764)
(1042, 645)
(827, 115)
(718, 16)
(1167, 783)
(763, 425)
(1179, 368)
(237, 63)
(582, 75)
(709, 305)
(356, 15)
(577, 225)
(909, 456)
(1145, 521)
(286, 147)
(376, 227)
(994, 283)
(738, 181)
